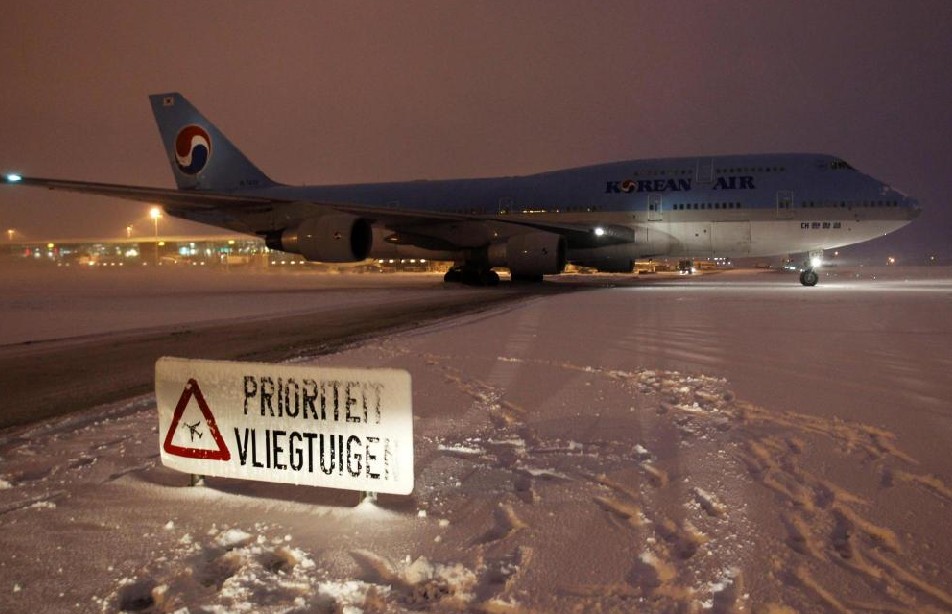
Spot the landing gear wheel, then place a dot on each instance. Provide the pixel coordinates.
(527, 278)
(808, 277)
(453, 276)
(489, 277)
(471, 276)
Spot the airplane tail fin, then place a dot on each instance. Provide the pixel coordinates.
(202, 158)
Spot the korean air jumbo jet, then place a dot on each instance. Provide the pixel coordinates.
(603, 216)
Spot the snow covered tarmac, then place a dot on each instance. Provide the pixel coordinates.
(83, 337)
(734, 441)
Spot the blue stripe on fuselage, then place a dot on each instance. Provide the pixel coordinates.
(752, 181)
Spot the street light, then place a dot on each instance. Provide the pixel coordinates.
(10, 233)
(129, 231)
(155, 213)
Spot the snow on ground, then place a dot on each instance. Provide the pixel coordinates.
(734, 443)
(41, 303)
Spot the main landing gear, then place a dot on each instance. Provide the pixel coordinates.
(472, 276)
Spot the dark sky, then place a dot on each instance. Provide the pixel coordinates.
(348, 91)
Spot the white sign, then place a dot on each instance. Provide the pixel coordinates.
(337, 428)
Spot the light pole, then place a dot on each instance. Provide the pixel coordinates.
(155, 213)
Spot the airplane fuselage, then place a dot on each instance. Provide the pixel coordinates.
(725, 206)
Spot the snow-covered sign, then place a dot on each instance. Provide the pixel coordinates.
(338, 428)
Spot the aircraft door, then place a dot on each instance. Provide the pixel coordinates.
(654, 208)
(784, 205)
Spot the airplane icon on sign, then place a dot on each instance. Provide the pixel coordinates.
(193, 430)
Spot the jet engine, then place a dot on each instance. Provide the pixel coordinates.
(530, 255)
(328, 238)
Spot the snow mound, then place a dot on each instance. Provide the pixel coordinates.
(239, 571)
(233, 538)
(420, 582)
(233, 571)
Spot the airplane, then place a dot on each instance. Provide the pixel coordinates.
(193, 430)
(604, 216)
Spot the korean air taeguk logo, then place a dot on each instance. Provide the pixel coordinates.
(193, 148)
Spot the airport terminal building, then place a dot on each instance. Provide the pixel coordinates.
(182, 250)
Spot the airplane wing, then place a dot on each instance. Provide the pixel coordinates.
(433, 228)
(155, 196)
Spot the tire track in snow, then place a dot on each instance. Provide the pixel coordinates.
(673, 541)
(824, 523)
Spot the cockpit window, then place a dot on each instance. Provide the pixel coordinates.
(840, 165)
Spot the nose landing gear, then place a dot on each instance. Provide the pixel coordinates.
(809, 278)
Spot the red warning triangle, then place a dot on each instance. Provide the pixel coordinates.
(222, 453)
